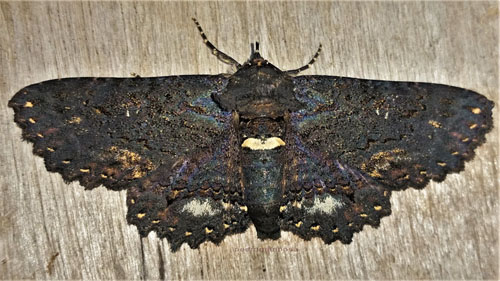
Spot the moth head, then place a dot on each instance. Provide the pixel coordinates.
(259, 89)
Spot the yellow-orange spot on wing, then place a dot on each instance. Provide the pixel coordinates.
(39, 135)
(296, 204)
(454, 153)
(155, 221)
(75, 120)
(85, 170)
(335, 230)
(244, 208)
(132, 161)
(375, 174)
(442, 164)
(208, 230)
(32, 121)
(226, 226)
(298, 224)
(171, 229)
(28, 104)
(363, 215)
(282, 209)
(465, 140)
(138, 174)
(188, 233)
(315, 228)
(377, 208)
(472, 126)
(50, 149)
(435, 124)
(66, 161)
(476, 110)
(141, 215)
(104, 176)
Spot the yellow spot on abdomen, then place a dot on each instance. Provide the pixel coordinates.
(263, 144)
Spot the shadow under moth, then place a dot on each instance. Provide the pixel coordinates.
(203, 156)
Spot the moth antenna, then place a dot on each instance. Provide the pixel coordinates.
(216, 52)
(315, 57)
(255, 56)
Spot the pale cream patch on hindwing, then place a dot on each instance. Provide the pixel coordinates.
(326, 204)
(200, 207)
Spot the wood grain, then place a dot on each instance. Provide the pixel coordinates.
(53, 230)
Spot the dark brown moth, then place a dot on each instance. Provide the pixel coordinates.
(203, 156)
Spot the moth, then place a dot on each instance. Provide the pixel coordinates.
(205, 156)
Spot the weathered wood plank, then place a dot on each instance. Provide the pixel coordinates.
(49, 229)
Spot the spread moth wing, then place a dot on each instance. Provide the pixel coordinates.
(162, 138)
(328, 199)
(357, 140)
(401, 134)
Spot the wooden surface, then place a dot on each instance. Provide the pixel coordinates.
(49, 229)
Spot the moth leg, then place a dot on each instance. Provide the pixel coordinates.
(220, 55)
(300, 69)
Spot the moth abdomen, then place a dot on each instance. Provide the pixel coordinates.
(262, 177)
